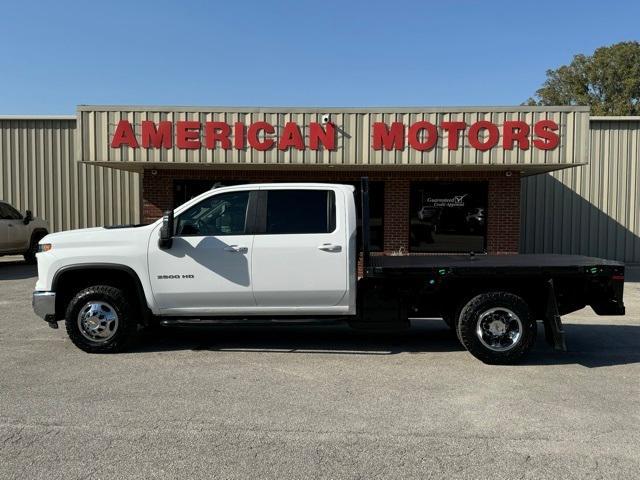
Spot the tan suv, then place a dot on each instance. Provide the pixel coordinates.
(20, 234)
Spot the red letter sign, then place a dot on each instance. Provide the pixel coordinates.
(546, 130)
(153, 137)
(291, 137)
(217, 132)
(453, 129)
(188, 135)
(515, 131)
(319, 136)
(124, 135)
(414, 136)
(489, 143)
(388, 138)
(238, 136)
(254, 140)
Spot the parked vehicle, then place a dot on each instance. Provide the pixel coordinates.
(20, 234)
(275, 253)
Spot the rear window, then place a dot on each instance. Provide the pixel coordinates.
(300, 211)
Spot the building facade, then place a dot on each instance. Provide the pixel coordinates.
(443, 180)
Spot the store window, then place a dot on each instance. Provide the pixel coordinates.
(448, 217)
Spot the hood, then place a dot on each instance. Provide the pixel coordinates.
(94, 237)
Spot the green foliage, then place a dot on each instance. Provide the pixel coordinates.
(608, 81)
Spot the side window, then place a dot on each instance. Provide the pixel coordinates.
(300, 211)
(223, 214)
(4, 213)
(13, 214)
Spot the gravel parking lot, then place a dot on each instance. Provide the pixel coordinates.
(314, 402)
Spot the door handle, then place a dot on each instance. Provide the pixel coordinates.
(236, 249)
(330, 247)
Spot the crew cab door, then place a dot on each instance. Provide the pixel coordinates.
(299, 261)
(207, 269)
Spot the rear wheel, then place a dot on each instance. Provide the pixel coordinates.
(497, 327)
(99, 320)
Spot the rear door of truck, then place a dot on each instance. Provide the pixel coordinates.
(300, 253)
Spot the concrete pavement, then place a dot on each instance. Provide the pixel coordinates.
(321, 402)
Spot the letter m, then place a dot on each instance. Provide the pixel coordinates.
(389, 138)
(153, 137)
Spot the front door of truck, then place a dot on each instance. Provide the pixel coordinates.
(207, 269)
(300, 250)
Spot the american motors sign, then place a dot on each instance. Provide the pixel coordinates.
(521, 138)
(421, 136)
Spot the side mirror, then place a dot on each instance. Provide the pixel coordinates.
(166, 231)
(28, 216)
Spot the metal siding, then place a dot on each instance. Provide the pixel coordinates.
(39, 171)
(353, 142)
(592, 209)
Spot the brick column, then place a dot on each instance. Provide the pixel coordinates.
(396, 213)
(157, 194)
(503, 216)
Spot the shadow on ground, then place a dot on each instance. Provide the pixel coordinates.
(592, 346)
(17, 270)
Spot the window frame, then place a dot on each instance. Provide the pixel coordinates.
(261, 212)
(249, 221)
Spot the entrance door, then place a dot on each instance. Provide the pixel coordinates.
(300, 262)
(207, 269)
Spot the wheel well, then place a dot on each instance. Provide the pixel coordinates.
(68, 283)
(38, 233)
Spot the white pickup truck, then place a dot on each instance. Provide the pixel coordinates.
(20, 234)
(288, 252)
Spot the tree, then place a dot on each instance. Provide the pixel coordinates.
(608, 81)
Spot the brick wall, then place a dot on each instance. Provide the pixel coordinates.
(503, 210)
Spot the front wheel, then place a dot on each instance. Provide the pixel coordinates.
(497, 327)
(99, 320)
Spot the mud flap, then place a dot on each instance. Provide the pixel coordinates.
(553, 332)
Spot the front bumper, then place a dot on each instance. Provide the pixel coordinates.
(44, 304)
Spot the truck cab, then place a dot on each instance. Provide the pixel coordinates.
(288, 252)
(20, 234)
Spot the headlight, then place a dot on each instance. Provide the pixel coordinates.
(44, 247)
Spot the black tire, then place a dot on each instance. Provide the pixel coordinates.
(30, 255)
(470, 317)
(118, 304)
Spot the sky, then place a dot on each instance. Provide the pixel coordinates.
(57, 55)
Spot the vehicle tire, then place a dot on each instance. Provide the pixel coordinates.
(99, 319)
(30, 255)
(497, 327)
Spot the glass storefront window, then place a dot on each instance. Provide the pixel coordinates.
(448, 217)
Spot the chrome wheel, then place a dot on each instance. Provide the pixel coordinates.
(499, 329)
(97, 321)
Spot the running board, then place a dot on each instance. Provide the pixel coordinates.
(247, 321)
